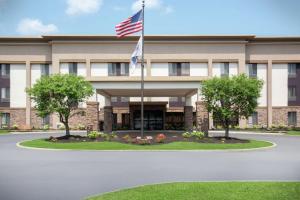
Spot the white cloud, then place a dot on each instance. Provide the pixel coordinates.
(77, 7)
(35, 26)
(152, 4)
(118, 8)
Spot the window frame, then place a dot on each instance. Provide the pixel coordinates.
(179, 69)
(73, 68)
(6, 97)
(293, 121)
(5, 68)
(252, 70)
(292, 73)
(118, 69)
(294, 92)
(225, 69)
(5, 116)
(45, 70)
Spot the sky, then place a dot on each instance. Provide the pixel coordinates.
(196, 17)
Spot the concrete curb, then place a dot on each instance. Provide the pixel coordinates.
(248, 133)
(43, 132)
(157, 150)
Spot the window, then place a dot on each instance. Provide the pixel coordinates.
(118, 69)
(292, 118)
(124, 99)
(5, 120)
(114, 99)
(45, 70)
(292, 68)
(292, 93)
(4, 68)
(173, 99)
(252, 70)
(5, 94)
(225, 70)
(179, 69)
(176, 101)
(253, 119)
(73, 68)
(46, 120)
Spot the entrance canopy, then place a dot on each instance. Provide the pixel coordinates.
(151, 89)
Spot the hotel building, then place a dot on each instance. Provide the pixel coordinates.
(175, 66)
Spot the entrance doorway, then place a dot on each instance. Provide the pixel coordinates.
(153, 119)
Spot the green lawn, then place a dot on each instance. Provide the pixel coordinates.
(209, 191)
(4, 132)
(293, 133)
(42, 143)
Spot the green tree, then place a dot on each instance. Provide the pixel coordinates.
(231, 98)
(60, 94)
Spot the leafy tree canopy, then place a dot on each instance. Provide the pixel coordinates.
(231, 98)
(60, 94)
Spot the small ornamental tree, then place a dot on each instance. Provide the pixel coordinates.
(231, 98)
(60, 94)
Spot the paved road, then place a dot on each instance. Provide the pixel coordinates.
(38, 174)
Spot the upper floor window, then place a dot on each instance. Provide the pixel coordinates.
(5, 120)
(225, 69)
(45, 71)
(4, 68)
(292, 69)
(179, 69)
(252, 70)
(292, 93)
(73, 67)
(292, 118)
(5, 94)
(118, 69)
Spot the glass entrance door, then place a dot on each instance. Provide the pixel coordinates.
(153, 119)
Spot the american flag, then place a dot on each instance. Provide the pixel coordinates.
(131, 25)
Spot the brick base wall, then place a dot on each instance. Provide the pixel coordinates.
(108, 119)
(280, 115)
(202, 118)
(262, 116)
(92, 115)
(188, 118)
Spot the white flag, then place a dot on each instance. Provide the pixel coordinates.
(136, 54)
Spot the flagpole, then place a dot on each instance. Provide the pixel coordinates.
(142, 74)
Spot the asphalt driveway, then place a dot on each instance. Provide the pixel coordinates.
(41, 174)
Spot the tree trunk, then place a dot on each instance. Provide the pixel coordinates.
(226, 129)
(227, 132)
(67, 128)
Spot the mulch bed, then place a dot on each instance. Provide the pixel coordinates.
(170, 137)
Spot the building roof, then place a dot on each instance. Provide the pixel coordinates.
(249, 38)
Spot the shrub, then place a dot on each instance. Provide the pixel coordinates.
(114, 135)
(46, 127)
(81, 127)
(4, 127)
(198, 134)
(15, 126)
(61, 126)
(94, 135)
(160, 138)
(186, 135)
(142, 141)
(127, 138)
(106, 136)
(52, 139)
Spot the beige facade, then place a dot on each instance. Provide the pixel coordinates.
(206, 52)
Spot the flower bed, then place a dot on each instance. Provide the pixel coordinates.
(149, 139)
